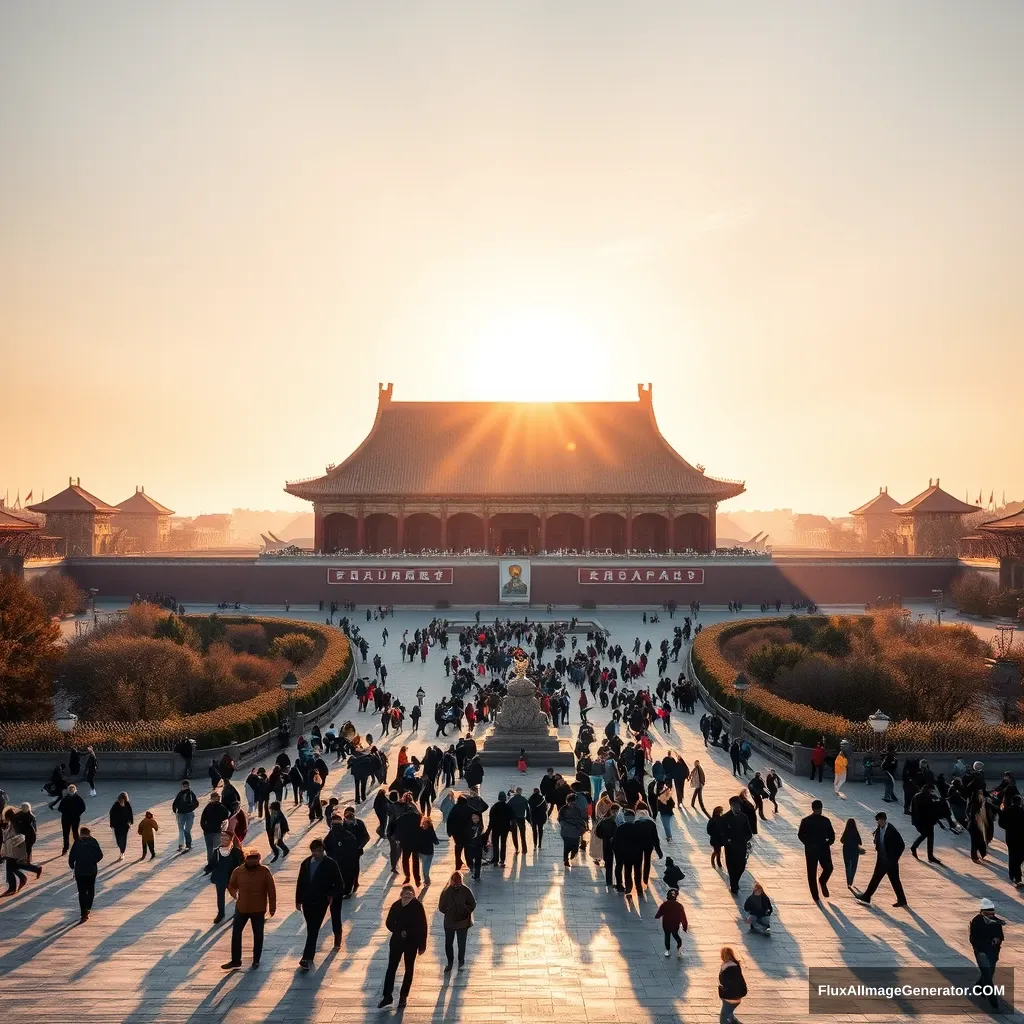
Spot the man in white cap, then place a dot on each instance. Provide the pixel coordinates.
(986, 940)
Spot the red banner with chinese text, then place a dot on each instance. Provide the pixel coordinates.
(378, 574)
(643, 574)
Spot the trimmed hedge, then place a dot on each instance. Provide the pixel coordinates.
(231, 723)
(800, 723)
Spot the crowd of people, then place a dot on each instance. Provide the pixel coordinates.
(619, 808)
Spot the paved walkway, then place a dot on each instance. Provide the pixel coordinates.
(548, 945)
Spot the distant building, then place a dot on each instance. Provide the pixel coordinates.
(875, 518)
(84, 521)
(1003, 539)
(932, 522)
(201, 533)
(144, 524)
(812, 531)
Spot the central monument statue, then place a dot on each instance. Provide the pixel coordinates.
(520, 710)
(522, 725)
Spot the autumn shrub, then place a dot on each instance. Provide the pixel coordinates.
(912, 669)
(973, 593)
(247, 638)
(217, 726)
(739, 647)
(59, 594)
(29, 650)
(765, 663)
(176, 629)
(296, 647)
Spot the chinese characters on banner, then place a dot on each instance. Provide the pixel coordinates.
(367, 574)
(644, 574)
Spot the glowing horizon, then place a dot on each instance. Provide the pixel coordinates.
(222, 230)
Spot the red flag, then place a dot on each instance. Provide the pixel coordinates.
(28, 497)
(991, 498)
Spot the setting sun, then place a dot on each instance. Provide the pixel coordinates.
(559, 359)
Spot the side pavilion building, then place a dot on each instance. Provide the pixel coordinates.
(516, 477)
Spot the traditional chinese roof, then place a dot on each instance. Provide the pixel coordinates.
(880, 505)
(74, 498)
(810, 521)
(14, 524)
(141, 504)
(1007, 524)
(934, 501)
(488, 449)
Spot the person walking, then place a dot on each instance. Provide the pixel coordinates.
(519, 807)
(14, 854)
(91, 767)
(647, 836)
(889, 766)
(759, 792)
(572, 824)
(924, 813)
(889, 847)
(817, 835)
(986, 935)
(252, 888)
(71, 807)
(121, 820)
(457, 903)
(211, 822)
(732, 986)
(839, 780)
(407, 922)
(226, 858)
(978, 824)
(673, 917)
(184, 807)
(697, 781)
(758, 908)
(426, 841)
(277, 829)
(538, 817)
(499, 824)
(737, 835)
(318, 885)
(1011, 821)
(716, 836)
(853, 848)
(148, 829)
(604, 832)
(818, 761)
(84, 860)
(473, 843)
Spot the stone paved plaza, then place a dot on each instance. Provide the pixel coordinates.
(548, 945)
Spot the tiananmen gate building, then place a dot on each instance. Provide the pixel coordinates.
(515, 478)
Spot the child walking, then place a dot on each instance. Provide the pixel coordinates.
(673, 917)
(148, 829)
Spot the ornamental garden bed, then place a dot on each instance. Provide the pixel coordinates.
(813, 676)
(153, 679)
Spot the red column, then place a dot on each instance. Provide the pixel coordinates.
(586, 530)
(361, 530)
(712, 529)
(444, 530)
(629, 530)
(544, 530)
(670, 532)
(400, 540)
(318, 530)
(487, 531)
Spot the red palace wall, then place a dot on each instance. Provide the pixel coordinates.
(475, 582)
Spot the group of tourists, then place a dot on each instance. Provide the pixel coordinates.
(619, 807)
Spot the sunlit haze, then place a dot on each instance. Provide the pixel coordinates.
(222, 225)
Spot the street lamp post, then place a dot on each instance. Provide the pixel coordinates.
(66, 721)
(879, 722)
(289, 685)
(741, 684)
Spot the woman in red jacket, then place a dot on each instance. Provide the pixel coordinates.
(673, 917)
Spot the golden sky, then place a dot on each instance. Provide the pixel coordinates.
(222, 225)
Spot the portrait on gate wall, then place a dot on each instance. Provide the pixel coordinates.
(514, 580)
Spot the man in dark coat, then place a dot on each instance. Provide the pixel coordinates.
(84, 860)
(1011, 821)
(407, 922)
(647, 834)
(317, 887)
(737, 834)
(455, 825)
(889, 847)
(210, 821)
(817, 835)
(628, 853)
(924, 811)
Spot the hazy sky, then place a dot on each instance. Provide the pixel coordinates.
(222, 224)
